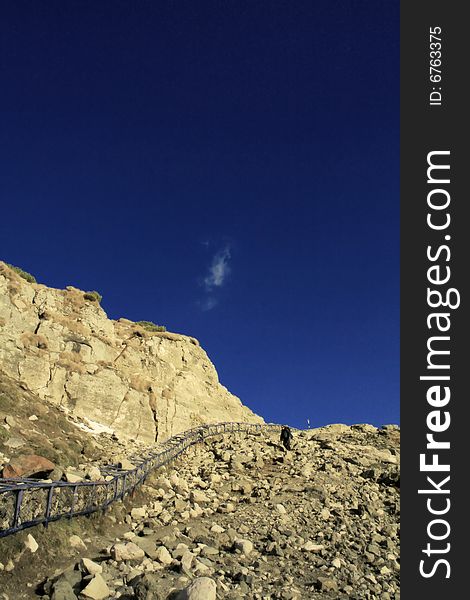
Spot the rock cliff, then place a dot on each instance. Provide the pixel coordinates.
(61, 346)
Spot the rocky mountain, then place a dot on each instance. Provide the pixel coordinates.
(236, 517)
(137, 381)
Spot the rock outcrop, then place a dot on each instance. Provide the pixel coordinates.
(61, 346)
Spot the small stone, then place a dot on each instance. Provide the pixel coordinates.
(14, 442)
(94, 474)
(148, 545)
(71, 576)
(138, 513)
(147, 587)
(202, 588)
(63, 590)
(97, 589)
(33, 418)
(180, 550)
(209, 551)
(91, 567)
(76, 542)
(157, 508)
(281, 509)
(199, 497)
(126, 464)
(73, 477)
(128, 551)
(163, 556)
(187, 561)
(311, 547)
(180, 505)
(228, 507)
(9, 566)
(245, 546)
(31, 543)
(325, 584)
(336, 563)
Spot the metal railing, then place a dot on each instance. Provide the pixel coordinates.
(27, 502)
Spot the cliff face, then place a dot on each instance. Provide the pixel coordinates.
(145, 385)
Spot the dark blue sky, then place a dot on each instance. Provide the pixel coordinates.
(226, 168)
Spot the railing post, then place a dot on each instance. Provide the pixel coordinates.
(116, 482)
(75, 488)
(48, 506)
(19, 498)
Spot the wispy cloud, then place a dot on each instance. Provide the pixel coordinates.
(219, 269)
(216, 276)
(208, 303)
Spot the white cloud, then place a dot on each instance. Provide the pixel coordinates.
(208, 303)
(218, 270)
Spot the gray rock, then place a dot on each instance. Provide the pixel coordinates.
(62, 590)
(148, 587)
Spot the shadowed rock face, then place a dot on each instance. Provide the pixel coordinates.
(143, 385)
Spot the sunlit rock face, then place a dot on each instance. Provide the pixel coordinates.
(144, 385)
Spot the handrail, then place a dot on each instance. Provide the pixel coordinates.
(27, 502)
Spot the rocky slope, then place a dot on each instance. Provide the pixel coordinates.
(237, 517)
(30, 426)
(60, 345)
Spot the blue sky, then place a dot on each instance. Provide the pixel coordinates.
(227, 169)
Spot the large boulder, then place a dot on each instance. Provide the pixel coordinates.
(202, 588)
(28, 465)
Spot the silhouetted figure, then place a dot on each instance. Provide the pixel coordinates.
(286, 436)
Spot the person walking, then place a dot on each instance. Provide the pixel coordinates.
(286, 437)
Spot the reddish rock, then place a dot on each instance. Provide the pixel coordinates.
(28, 465)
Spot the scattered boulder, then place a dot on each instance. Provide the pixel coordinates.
(62, 590)
(199, 497)
(77, 543)
(138, 513)
(91, 567)
(163, 556)
(127, 551)
(97, 589)
(311, 547)
(245, 546)
(202, 588)
(15, 441)
(148, 587)
(31, 544)
(268, 533)
(28, 465)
